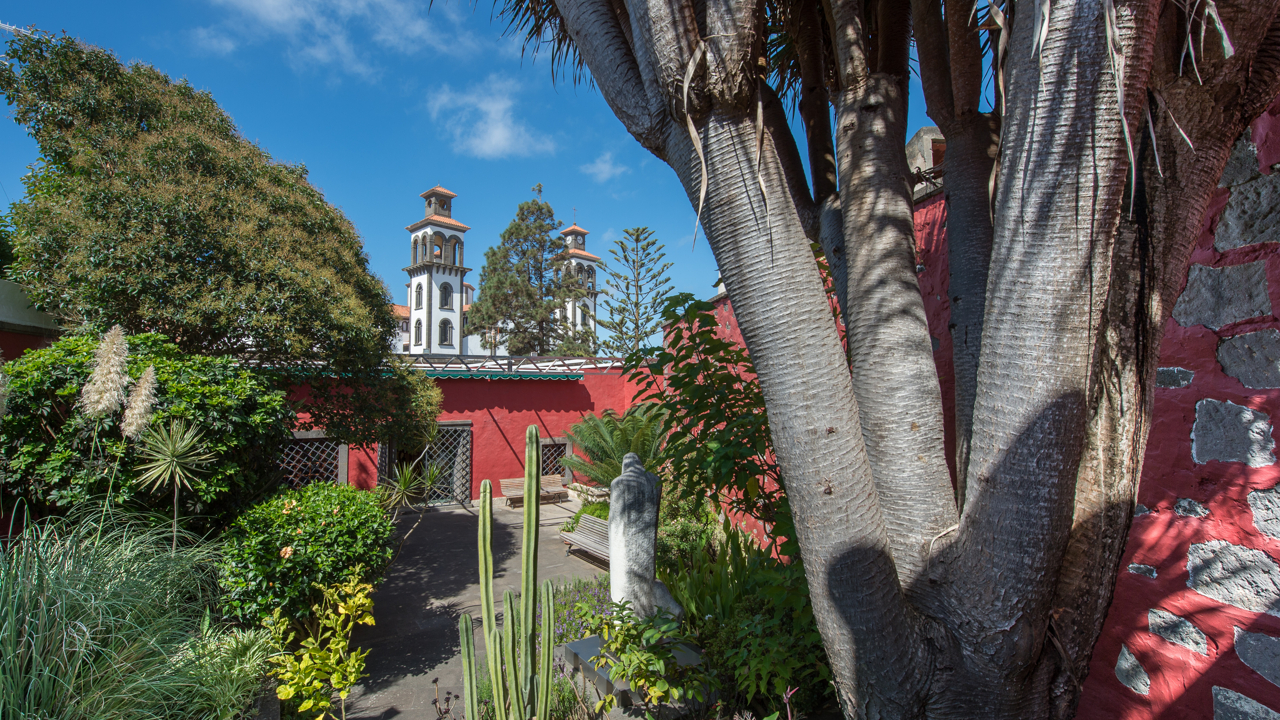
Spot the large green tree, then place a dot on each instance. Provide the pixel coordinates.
(148, 209)
(932, 602)
(638, 289)
(525, 287)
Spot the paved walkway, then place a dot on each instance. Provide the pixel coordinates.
(433, 581)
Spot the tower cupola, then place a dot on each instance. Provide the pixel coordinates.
(439, 201)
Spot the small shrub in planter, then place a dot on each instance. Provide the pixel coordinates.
(279, 551)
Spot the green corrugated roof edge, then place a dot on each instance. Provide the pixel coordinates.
(463, 375)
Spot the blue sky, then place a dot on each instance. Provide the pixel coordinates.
(383, 99)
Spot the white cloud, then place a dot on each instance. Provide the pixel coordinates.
(339, 33)
(604, 168)
(213, 41)
(482, 122)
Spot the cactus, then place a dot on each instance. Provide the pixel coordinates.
(521, 682)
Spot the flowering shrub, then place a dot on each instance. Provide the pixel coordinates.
(592, 593)
(278, 552)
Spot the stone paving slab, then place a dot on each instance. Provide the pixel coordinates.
(432, 581)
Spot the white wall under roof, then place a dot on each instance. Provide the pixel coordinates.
(15, 309)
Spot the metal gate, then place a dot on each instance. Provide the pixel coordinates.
(450, 457)
(303, 462)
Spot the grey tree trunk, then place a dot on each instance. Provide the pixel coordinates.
(1061, 180)
(972, 144)
(817, 435)
(891, 356)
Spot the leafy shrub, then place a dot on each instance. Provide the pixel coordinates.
(718, 442)
(136, 609)
(47, 442)
(324, 662)
(687, 526)
(641, 652)
(279, 551)
(594, 509)
(750, 614)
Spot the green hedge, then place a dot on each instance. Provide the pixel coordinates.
(279, 550)
(46, 442)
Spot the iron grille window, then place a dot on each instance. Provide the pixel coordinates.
(553, 457)
(303, 462)
(450, 455)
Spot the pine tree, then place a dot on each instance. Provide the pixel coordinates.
(636, 291)
(524, 289)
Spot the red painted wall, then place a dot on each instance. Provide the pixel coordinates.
(13, 344)
(1182, 680)
(501, 410)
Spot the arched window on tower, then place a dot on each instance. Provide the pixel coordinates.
(446, 332)
(446, 295)
(591, 277)
(417, 333)
(417, 297)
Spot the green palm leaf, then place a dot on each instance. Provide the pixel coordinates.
(606, 439)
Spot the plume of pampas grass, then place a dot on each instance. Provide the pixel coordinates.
(142, 399)
(104, 393)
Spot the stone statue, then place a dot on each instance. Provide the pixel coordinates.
(633, 532)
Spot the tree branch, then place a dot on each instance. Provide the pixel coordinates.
(805, 28)
(784, 143)
(600, 39)
(935, 71)
(966, 56)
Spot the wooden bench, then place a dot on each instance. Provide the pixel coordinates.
(591, 535)
(552, 491)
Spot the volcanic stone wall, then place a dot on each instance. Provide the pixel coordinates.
(1194, 629)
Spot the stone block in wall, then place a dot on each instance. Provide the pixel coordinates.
(1215, 297)
(1229, 432)
(1252, 358)
(1242, 166)
(1252, 214)
(1235, 575)
(1266, 511)
(1260, 652)
(1174, 377)
(1130, 672)
(1231, 705)
(1177, 630)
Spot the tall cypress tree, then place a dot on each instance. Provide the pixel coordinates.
(637, 291)
(524, 288)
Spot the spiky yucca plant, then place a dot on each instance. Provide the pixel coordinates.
(172, 456)
(608, 438)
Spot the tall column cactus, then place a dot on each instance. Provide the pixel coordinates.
(521, 682)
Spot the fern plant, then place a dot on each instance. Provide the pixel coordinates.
(607, 438)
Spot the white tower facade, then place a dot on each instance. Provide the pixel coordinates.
(437, 272)
(581, 313)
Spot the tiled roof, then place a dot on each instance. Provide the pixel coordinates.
(582, 254)
(440, 220)
(574, 229)
(400, 311)
(437, 190)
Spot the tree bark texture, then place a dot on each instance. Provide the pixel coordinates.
(1058, 312)
(891, 355)
(1059, 196)
(798, 357)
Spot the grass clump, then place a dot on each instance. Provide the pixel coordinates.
(106, 620)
